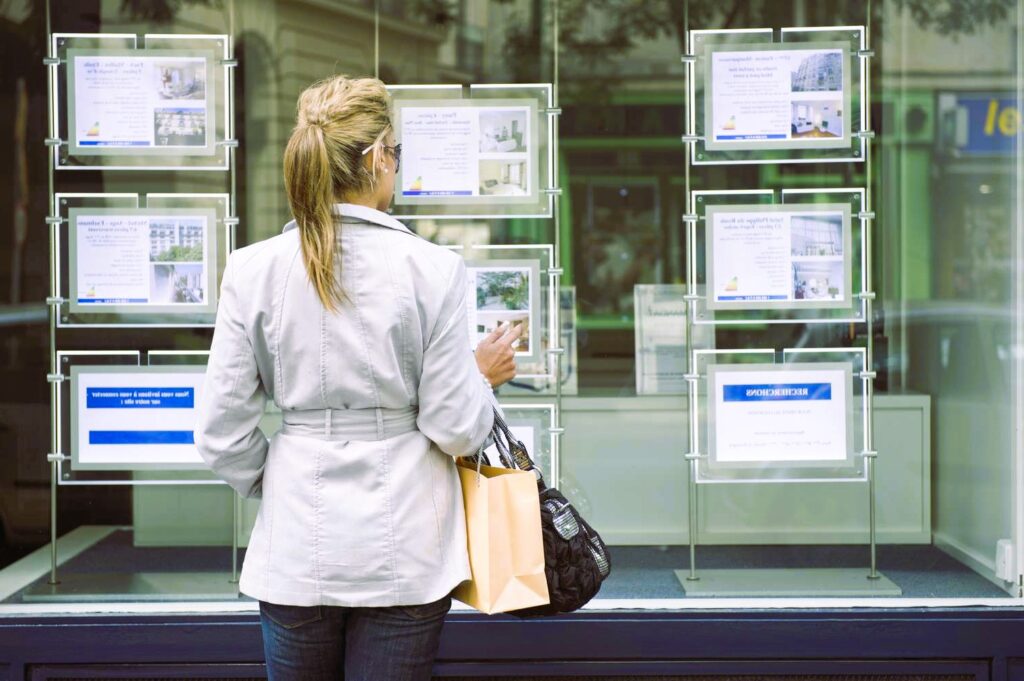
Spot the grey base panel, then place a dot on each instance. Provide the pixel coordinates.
(809, 582)
(142, 586)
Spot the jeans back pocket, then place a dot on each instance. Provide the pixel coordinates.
(290, 616)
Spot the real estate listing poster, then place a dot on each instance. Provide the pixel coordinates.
(778, 96)
(129, 418)
(461, 152)
(781, 256)
(797, 414)
(148, 261)
(504, 292)
(140, 102)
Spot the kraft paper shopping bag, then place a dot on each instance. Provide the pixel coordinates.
(506, 548)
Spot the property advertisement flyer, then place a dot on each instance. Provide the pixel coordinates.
(775, 97)
(139, 101)
(763, 257)
(135, 417)
(142, 261)
(476, 153)
(501, 292)
(766, 414)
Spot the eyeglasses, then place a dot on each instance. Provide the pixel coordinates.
(396, 151)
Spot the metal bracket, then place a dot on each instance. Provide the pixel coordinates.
(51, 61)
(866, 295)
(54, 220)
(869, 454)
(553, 111)
(230, 63)
(692, 377)
(865, 53)
(231, 221)
(866, 215)
(693, 456)
(869, 375)
(556, 351)
(865, 134)
(54, 378)
(688, 139)
(690, 217)
(56, 301)
(558, 271)
(552, 191)
(53, 141)
(556, 430)
(56, 458)
(691, 297)
(688, 58)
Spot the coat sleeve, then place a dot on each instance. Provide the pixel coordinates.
(455, 406)
(233, 400)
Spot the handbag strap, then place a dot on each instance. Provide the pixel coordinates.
(512, 452)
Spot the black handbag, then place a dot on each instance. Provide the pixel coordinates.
(576, 559)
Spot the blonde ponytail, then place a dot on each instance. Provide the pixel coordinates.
(323, 163)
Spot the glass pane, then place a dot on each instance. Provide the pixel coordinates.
(629, 172)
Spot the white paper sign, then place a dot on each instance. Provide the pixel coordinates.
(660, 318)
(763, 415)
(135, 417)
(137, 102)
(142, 261)
(778, 98)
(761, 257)
(474, 152)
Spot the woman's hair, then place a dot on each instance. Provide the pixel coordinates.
(337, 119)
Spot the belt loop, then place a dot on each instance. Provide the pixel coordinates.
(327, 422)
(380, 423)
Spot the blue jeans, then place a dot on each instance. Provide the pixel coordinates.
(323, 642)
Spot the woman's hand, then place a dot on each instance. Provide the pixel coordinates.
(496, 354)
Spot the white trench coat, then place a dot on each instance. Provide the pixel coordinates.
(361, 503)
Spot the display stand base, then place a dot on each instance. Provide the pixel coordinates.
(140, 586)
(794, 582)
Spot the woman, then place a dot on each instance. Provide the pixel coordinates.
(356, 328)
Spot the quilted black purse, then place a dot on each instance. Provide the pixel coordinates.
(576, 559)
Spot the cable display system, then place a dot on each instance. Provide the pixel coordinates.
(756, 256)
(122, 262)
(130, 261)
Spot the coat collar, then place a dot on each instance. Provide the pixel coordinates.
(361, 214)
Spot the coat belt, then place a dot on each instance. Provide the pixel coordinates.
(350, 424)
